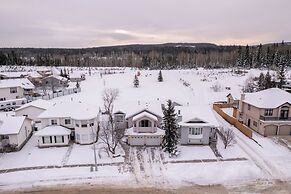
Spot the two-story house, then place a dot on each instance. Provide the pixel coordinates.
(80, 118)
(267, 111)
(144, 129)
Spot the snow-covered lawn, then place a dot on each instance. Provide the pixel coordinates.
(30, 156)
(104, 175)
(192, 152)
(212, 172)
(148, 164)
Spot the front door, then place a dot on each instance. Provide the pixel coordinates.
(249, 122)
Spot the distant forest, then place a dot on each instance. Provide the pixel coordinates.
(155, 56)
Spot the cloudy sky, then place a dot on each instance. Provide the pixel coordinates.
(88, 23)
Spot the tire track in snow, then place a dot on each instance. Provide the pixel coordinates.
(269, 169)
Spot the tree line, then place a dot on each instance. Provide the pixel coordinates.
(159, 56)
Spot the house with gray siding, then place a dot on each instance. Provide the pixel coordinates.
(197, 125)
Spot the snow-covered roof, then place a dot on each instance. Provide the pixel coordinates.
(40, 103)
(10, 124)
(269, 98)
(76, 75)
(13, 74)
(55, 71)
(34, 74)
(53, 130)
(22, 82)
(145, 114)
(130, 131)
(130, 108)
(74, 109)
(197, 112)
(57, 77)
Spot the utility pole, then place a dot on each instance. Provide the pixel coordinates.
(94, 148)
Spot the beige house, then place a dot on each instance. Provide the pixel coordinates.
(267, 112)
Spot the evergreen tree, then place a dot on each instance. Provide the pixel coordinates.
(170, 139)
(268, 81)
(247, 58)
(65, 73)
(261, 82)
(276, 61)
(281, 73)
(160, 77)
(239, 60)
(259, 56)
(136, 81)
(62, 74)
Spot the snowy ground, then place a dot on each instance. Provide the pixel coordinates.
(244, 161)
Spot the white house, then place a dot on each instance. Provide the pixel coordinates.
(53, 136)
(80, 118)
(197, 124)
(144, 129)
(15, 88)
(14, 131)
(32, 110)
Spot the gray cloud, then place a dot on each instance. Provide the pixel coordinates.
(85, 23)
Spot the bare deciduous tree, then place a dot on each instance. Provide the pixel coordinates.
(109, 133)
(227, 137)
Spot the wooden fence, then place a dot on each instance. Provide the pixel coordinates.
(244, 129)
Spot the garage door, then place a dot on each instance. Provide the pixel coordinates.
(136, 140)
(270, 130)
(153, 140)
(285, 130)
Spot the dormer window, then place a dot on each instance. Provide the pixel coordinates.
(145, 123)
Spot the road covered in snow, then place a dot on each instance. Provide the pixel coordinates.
(246, 162)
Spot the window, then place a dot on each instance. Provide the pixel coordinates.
(91, 124)
(195, 131)
(145, 123)
(54, 122)
(255, 123)
(77, 137)
(13, 90)
(67, 121)
(77, 125)
(46, 140)
(59, 139)
(37, 122)
(284, 114)
(268, 112)
(119, 118)
(84, 125)
(179, 112)
(249, 107)
(25, 115)
(2, 99)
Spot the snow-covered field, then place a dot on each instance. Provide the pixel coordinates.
(247, 162)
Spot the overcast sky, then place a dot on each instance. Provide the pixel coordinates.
(88, 23)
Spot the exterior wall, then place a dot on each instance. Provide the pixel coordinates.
(85, 135)
(41, 144)
(185, 135)
(24, 133)
(5, 93)
(130, 122)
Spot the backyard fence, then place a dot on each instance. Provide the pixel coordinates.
(244, 129)
(64, 92)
